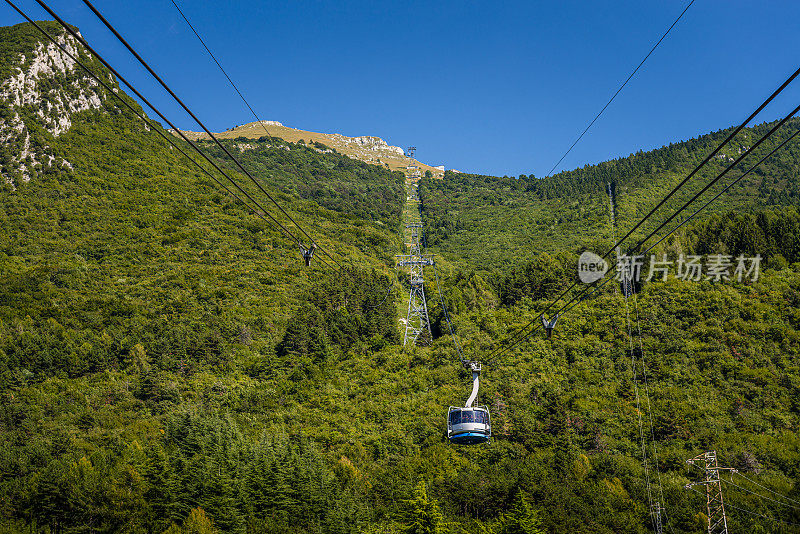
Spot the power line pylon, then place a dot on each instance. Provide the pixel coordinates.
(417, 321)
(655, 511)
(410, 151)
(717, 521)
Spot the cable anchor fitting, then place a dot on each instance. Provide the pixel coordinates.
(549, 325)
(308, 253)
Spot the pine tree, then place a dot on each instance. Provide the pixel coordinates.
(160, 492)
(522, 518)
(421, 514)
(198, 523)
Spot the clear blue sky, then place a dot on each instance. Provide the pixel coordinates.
(491, 87)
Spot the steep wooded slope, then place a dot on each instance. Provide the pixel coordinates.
(166, 362)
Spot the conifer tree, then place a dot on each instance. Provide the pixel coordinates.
(421, 514)
(522, 518)
(160, 492)
(198, 523)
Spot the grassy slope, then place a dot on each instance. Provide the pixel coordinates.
(254, 130)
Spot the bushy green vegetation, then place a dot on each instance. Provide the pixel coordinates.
(493, 222)
(333, 180)
(167, 364)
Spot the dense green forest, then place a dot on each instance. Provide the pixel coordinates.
(492, 222)
(332, 180)
(167, 363)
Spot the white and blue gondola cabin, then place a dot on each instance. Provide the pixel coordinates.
(468, 426)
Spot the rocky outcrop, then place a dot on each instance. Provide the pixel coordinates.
(370, 143)
(49, 87)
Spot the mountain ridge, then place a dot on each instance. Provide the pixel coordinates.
(370, 149)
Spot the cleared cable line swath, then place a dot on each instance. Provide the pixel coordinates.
(620, 88)
(261, 212)
(166, 87)
(515, 338)
(210, 53)
(524, 332)
(574, 302)
(578, 298)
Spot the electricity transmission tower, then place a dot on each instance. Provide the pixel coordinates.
(717, 521)
(410, 151)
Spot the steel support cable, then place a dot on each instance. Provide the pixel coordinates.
(764, 487)
(121, 78)
(149, 69)
(745, 510)
(638, 409)
(712, 154)
(147, 121)
(663, 501)
(224, 72)
(163, 84)
(520, 335)
(447, 316)
(672, 192)
(734, 484)
(210, 53)
(597, 287)
(715, 180)
(715, 197)
(594, 289)
(620, 88)
(388, 291)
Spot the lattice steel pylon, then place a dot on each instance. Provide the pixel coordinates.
(417, 321)
(717, 521)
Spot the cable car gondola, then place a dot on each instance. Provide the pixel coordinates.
(470, 425)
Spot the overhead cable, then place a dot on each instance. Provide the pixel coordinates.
(521, 333)
(210, 53)
(620, 88)
(750, 512)
(764, 487)
(154, 126)
(121, 78)
(583, 294)
(201, 124)
(735, 485)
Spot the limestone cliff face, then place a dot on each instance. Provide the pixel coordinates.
(374, 143)
(43, 93)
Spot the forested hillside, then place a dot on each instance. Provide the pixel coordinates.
(168, 364)
(493, 222)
